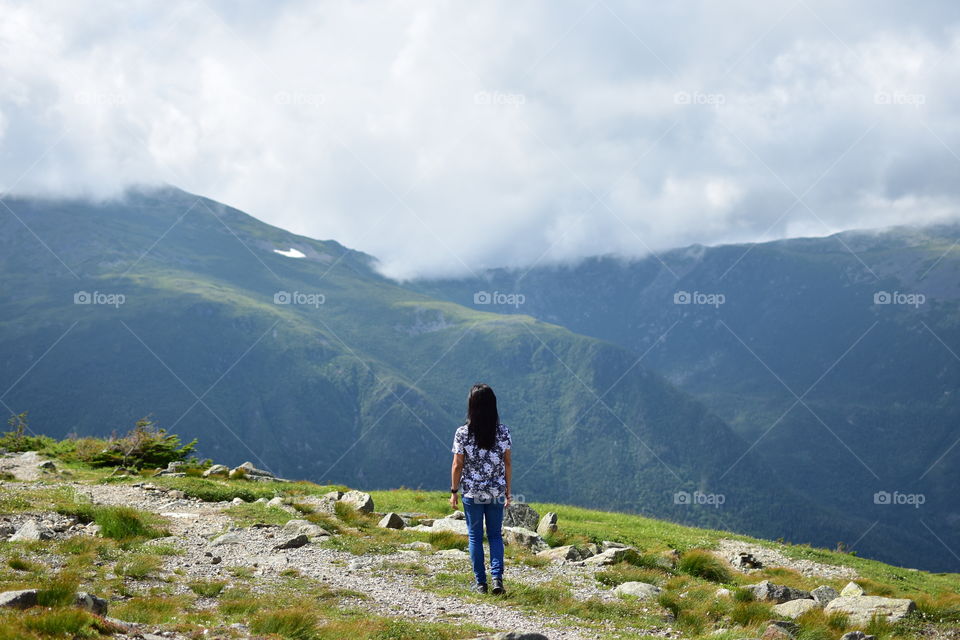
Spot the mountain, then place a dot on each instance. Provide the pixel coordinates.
(317, 367)
(835, 358)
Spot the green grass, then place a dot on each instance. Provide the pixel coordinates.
(123, 524)
(703, 564)
(447, 540)
(207, 588)
(138, 566)
(18, 563)
(245, 515)
(293, 624)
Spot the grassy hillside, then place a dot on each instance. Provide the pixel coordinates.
(141, 562)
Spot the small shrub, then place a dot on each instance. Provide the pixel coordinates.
(746, 613)
(117, 523)
(70, 622)
(293, 624)
(59, 592)
(703, 564)
(448, 540)
(144, 446)
(17, 440)
(137, 566)
(21, 564)
(207, 589)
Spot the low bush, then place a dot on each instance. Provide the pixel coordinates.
(703, 564)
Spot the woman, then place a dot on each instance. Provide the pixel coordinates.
(481, 467)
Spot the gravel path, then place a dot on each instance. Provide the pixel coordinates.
(772, 558)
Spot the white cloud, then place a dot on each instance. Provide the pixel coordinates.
(443, 138)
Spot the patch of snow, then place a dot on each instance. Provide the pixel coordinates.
(291, 253)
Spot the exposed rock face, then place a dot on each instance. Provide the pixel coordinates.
(247, 470)
(640, 590)
(358, 500)
(391, 521)
(521, 515)
(611, 556)
(860, 609)
(795, 608)
(525, 538)
(548, 524)
(304, 527)
(778, 593)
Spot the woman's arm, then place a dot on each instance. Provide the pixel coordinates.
(455, 471)
(508, 471)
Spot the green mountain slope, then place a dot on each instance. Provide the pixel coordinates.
(845, 397)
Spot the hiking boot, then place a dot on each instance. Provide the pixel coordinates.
(480, 587)
(498, 589)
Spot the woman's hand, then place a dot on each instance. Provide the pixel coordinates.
(506, 502)
(453, 501)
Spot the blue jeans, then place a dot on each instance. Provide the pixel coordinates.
(476, 512)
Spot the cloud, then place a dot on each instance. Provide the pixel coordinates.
(447, 138)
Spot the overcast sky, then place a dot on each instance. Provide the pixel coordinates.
(443, 137)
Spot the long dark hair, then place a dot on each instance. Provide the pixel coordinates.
(482, 416)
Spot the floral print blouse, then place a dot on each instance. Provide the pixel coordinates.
(484, 474)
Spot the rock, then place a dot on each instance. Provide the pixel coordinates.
(565, 553)
(275, 502)
(520, 514)
(260, 501)
(450, 524)
(610, 544)
(293, 543)
(333, 495)
(860, 609)
(419, 546)
(251, 471)
(744, 560)
(514, 635)
(851, 590)
(524, 538)
(548, 525)
(456, 515)
(427, 522)
(780, 630)
(32, 531)
(795, 608)
(238, 501)
(227, 538)
(778, 593)
(304, 527)
(640, 590)
(611, 556)
(94, 604)
(22, 599)
(92, 529)
(358, 500)
(47, 465)
(824, 594)
(7, 529)
(856, 635)
(319, 504)
(216, 470)
(722, 592)
(391, 521)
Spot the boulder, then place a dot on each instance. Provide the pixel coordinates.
(610, 544)
(744, 560)
(547, 525)
(795, 608)
(456, 515)
(238, 500)
(304, 527)
(358, 500)
(565, 553)
(851, 590)
(293, 543)
(450, 524)
(780, 630)
(333, 495)
(7, 529)
(611, 556)
(824, 594)
(47, 465)
(525, 538)
(860, 609)
(216, 470)
(520, 514)
(318, 504)
(778, 593)
(722, 592)
(275, 502)
(31, 530)
(89, 602)
(856, 635)
(391, 521)
(22, 599)
(640, 590)
(252, 471)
